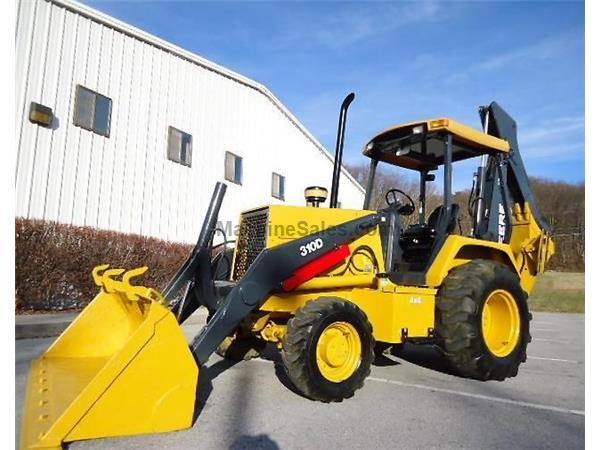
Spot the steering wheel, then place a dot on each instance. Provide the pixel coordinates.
(391, 199)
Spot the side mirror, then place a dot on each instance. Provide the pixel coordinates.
(430, 177)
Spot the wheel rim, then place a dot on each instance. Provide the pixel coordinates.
(501, 323)
(338, 351)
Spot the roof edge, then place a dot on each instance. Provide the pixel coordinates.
(455, 127)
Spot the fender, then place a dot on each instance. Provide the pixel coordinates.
(459, 250)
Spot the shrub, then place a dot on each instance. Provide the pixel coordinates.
(53, 262)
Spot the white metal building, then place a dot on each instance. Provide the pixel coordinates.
(141, 130)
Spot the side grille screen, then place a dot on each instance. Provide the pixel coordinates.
(252, 238)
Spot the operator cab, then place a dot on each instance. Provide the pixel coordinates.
(422, 146)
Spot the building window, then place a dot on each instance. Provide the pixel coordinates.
(92, 111)
(233, 168)
(179, 148)
(278, 186)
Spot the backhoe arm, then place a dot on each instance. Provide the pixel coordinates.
(506, 199)
(502, 125)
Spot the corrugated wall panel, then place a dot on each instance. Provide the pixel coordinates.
(61, 105)
(33, 90)
(110, 150)
(194, 195)
(135, 140)
(89, 143)
(163, 188)
(142, 154)
(185, 177)
(73, 147)
(120, 130)
(96, 163)
(152, 156)
(159, 146)
(172, 177)
(47, 96)
(24, 35)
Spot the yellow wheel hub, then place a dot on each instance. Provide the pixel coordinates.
(501, 323)
(338, 351)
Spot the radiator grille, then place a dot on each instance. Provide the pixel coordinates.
(252, 238)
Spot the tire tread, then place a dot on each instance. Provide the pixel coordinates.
(295, 355)
(458, 316)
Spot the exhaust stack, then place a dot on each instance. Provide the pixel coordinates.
(339, 148)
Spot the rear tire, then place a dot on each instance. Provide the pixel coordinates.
(470, 348)
(328, 349)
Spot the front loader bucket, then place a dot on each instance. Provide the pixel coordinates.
(122, 367)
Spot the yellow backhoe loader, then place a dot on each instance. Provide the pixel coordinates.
(327, 286)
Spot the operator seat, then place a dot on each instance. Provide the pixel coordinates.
(435, 217)
(418, 240)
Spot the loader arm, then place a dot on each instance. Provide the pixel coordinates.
(197, 266)
(279, 269)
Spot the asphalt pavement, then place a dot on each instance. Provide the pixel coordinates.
(409, 401)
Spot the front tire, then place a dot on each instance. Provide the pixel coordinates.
(482, 320)
(328, 349)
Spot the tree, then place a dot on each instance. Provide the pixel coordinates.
(386, 179)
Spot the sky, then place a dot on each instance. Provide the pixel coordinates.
(404, 60)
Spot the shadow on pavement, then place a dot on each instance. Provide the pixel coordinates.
(240, 395)
(270, 353)
(261, 441)
(385, 361)
(204, 386)
(426, 356)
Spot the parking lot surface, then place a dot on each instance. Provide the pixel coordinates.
(409, 401)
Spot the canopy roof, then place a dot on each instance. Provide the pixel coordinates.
(419, 145)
